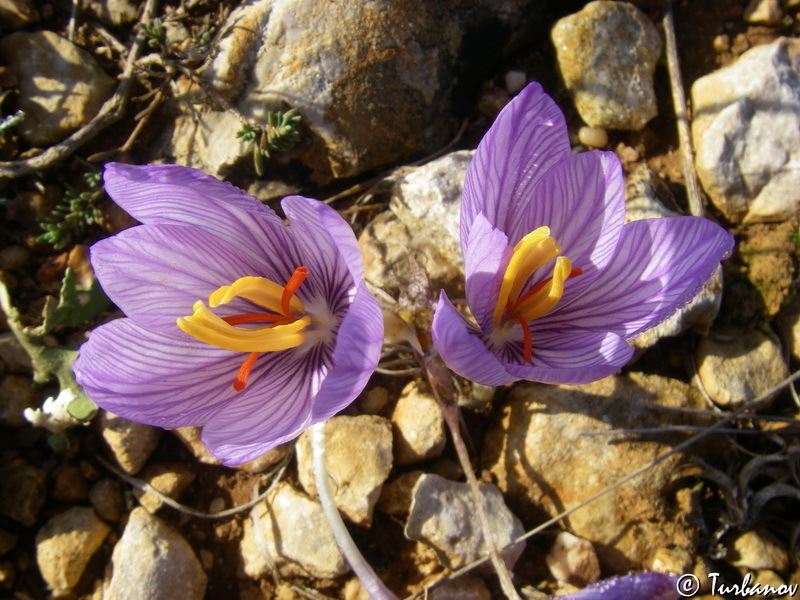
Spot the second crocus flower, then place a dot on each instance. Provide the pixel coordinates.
(555, 280)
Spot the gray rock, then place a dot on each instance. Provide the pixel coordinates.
(424, 208)
(443, 516)
(61, 86)
(545, 464)
(418, 426)
(372, 81)
(643, 193)
(289, 531)
(746, 132)
(130, 443)
(736, 366)
(65, 544)
(358, 453)
(607, 54)
(152, 560)
(15, 14)
(22, 491)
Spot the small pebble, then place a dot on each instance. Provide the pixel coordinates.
(217, 505)
(515, 81)
(596, 137)
(722, 43)
(627, 154)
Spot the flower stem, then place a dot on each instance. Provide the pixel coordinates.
(374, 586)
(442, 389)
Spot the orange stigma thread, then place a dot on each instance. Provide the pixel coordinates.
(283, 329)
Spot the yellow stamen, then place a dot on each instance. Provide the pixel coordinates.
(259, 290)
(207, 327)
(531, 253)
(283, 329)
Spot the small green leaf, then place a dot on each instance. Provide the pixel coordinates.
(82, 408)
(59, 442)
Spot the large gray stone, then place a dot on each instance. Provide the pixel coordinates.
(746, 131)
(152, 560)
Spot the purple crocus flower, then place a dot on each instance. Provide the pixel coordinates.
(636, 586)
(555, 280)
(241, 324)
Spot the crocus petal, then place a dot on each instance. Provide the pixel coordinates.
(176, 195)
(146, 377)
(272, 410)
(458, 343)
(659, 266)
(636, 586)
(324, 234)
(528, 137)
(155, 273)
(487, 254)
(573, 358)
(582, 200)
(358, 349)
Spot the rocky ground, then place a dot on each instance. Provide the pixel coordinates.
(393, 98)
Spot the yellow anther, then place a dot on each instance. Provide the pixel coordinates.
(259, 290)
(541, 301)
(530, 253)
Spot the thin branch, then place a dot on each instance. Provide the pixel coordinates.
(277, 472)
(111, 111)
(442, 389)
(679, 100)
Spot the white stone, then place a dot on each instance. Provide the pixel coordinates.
(443, 516)
(65, 544)
(515, 81)
(594, 137)
(418, 426)
(736, 365)
(424, 220)
(746, 132)
(130, 443)
(358, 456)
(573, 560)
(607, 54)
(61, 86)
(152, 560)
(764, 12)
(290, 531)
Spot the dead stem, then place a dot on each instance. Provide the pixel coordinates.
(679, 101)
(111, 111)
(442, 389)
(275, 474)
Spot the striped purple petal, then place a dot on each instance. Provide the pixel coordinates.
(623, 279)
(199, 234)
(636, 586)
(528, 137)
